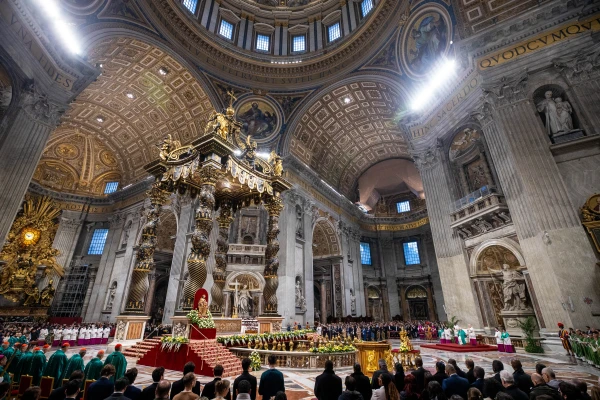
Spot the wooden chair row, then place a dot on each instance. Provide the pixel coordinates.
(46, 386)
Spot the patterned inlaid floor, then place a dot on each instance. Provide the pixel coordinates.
(300, 383)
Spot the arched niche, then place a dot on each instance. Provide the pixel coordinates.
(491, 254)
(253, 280)
(326, 242)
(416, 292)
(555, 109)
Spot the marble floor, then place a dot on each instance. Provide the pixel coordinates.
(300, 383)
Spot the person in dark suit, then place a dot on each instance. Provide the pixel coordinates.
(459, 371)
(245, 376)
(497, 367)
(470, 373)
(132, 392)
(328, 385)
(178, 386)
(150, 391)
(522, 380)
(479, 377)
(454, 384)
(382, 370)
(103, 387)
(508, 381)
(271, 380)
(440, 373)
(419, 374)
(363, 386)
(120, 387)
(59, 392)
(209, 389)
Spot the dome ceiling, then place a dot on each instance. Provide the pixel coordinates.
(346, 130)
(132, 106)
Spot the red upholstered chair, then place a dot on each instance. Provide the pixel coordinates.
(88, 382)
(24, 384)
(46, 384)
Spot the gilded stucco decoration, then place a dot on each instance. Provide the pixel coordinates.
(29, 247)
(425, 40)
(325, 240)
(130, 108)
(493, 257)
(463, 142)
(346, 130)
(76, 162)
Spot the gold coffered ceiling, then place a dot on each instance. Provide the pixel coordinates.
(347, 130)
(138, 106)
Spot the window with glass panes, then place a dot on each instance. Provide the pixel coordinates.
(262, 42)
(366, 6)
(298, 43)
(411, 253)
(365, 253)
(226, 29)
(403, 206)
(190, 5)
(334, 32)
(111, 187)
(98, 241)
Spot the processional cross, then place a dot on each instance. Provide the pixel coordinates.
(232, 98)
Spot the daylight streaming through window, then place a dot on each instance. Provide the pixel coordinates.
(411, 253)
(262, 42)
(226, 29)
(365, 253)
(98, 242)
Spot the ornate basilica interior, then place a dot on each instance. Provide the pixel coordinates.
(415, 160)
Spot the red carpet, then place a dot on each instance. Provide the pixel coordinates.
(460, 348)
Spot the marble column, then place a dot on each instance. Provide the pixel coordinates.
(21, 144)
(178, 260)
(451, 259)
(557, 252)
(404, 302)
(323, 301)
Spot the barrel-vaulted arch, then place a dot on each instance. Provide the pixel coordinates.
(348, 127)
(143, 94)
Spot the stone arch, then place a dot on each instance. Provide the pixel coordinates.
(326, 242)
(416, 292)
(231, 278)
(498, 250)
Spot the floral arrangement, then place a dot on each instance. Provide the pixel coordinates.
(255, 361)
(403, 348)
(333, 348)
(170, 343)
(202, 322)
(242, 340)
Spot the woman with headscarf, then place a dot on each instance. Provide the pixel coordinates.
(388, 390)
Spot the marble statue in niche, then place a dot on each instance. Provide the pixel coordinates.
(557, 113)
(514, 290)
(111, 296)
(300, 300)
(299, 222)
(126, 235)
(352, 302)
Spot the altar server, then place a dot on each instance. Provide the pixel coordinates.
(81, 336)
(42, 337)
(105, 334)
(472, 336)
(88, 335)
(508, 347)
(57, 332)
(499, 341)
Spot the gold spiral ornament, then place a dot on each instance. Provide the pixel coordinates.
(274, 206)
(219, 274)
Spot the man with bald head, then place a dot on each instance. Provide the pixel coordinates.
(541, 388)
(162, 390)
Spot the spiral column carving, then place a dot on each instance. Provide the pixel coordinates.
(274, 206)
(220, 272)
(145, 252)
(196, 261)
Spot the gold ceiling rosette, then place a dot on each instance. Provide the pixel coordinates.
(29, 247)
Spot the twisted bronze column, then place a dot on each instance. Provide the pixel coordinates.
(196, 261)
(220, 272)
(274, 206)
(145, 252)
